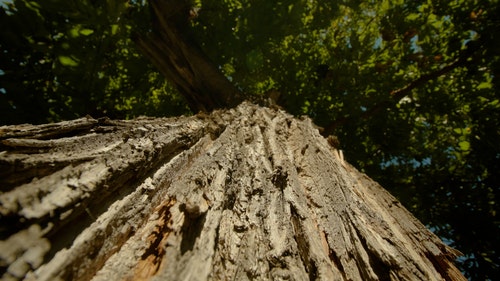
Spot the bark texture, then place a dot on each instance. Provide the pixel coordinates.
(249, 193)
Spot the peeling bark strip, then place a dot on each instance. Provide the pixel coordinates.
(246, 193)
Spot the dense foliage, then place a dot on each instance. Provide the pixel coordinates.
(409, 87)
(65, 59)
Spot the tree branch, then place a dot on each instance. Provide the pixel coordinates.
(400, 93)
(182, 62)
(404, 91)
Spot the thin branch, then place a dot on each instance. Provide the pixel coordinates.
(404, 91)
(400, 93)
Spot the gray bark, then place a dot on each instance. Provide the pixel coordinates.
(240, 194)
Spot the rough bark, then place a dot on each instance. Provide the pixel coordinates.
(182, 62)
(246, 193)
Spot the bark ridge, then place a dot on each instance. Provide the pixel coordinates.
(249, 193)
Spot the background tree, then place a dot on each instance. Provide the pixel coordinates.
(411, 87)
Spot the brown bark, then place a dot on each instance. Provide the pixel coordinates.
(247, 193)
(182, 62)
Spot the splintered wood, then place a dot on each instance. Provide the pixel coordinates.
(250, 193)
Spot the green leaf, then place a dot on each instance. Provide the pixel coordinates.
(67, 61)
(114, 29)
(412, 17)
(86, 31)
(485, 85)
(464, 145)
(74, 32)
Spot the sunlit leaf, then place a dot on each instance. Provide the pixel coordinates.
(412, 16)
(484, 85)
(464, 145)
(67, 61)
(114, 29)
(86, 31)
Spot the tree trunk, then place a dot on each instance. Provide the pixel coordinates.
(182, 62)
(246, 193)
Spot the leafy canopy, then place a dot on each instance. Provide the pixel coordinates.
(65, 59)
(409, 87)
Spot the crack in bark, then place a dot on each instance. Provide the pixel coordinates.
(335, 258)
(191, 230)
(152, 257)
(280, 178)
(303, 245)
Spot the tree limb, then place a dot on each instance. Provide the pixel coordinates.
(400, 93)
(181, 60)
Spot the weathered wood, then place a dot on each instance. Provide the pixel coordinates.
(246, 193)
